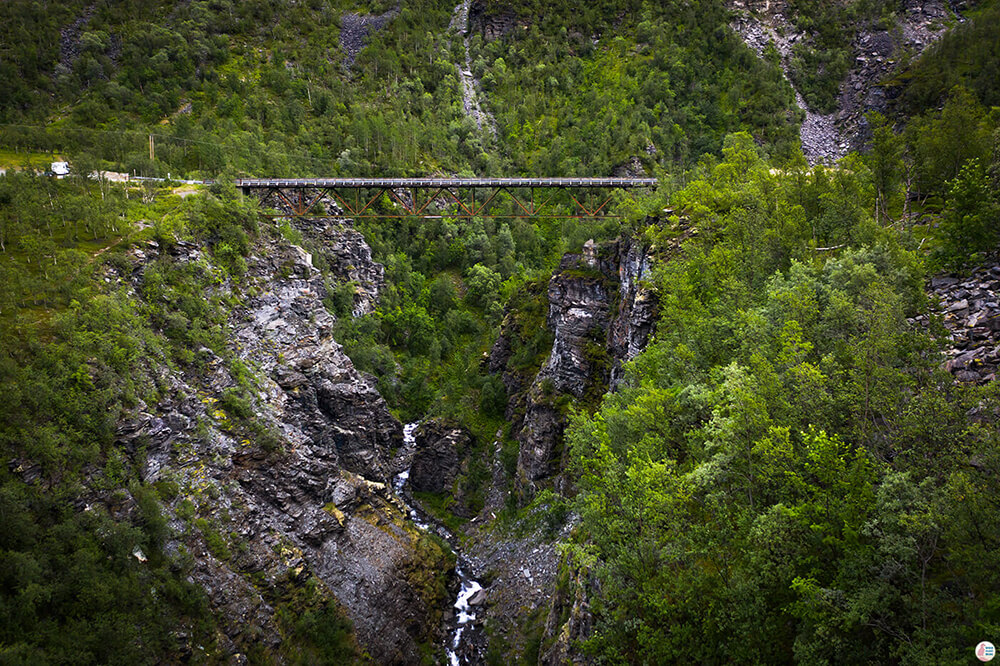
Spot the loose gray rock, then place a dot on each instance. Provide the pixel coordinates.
(970, 310)
(601, 313)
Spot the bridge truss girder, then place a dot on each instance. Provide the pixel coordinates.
(301, 200)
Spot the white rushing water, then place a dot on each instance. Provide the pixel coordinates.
(469, 587)
(466, 614)
(409, 443)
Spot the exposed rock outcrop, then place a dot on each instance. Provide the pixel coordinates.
(344, 254)
(288, 487)
(579, 312)
(355, 28)
(637, 309)
(570, 620)
(600, 315)
(492, 25)
(471, 89)
(561, 341)
(521, 576)
(69, 41)
(631, 168)
(437, 458)
(820, 136)
(875, 55)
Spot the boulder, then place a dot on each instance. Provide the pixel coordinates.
(436, 460)
(479, 598)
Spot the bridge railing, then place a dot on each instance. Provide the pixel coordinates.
(350, 183)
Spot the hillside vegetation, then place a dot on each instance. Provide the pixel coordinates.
(268, 89)
(786, 474)
(788, 470)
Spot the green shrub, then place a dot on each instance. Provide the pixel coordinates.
(236, 404)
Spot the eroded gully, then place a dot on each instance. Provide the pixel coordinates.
(470, 86)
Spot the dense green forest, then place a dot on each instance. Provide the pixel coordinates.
(785, 475)
(665, 84)
(788, 471)
(966, 56)
(224, 92)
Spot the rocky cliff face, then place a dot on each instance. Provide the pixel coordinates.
(492, 24)
(297, 493)
(344, 255)
(600, 315)
(437, 458)
(635, 320)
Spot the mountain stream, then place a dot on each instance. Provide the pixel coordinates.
(465, 611)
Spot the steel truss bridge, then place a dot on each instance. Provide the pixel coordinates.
(356, 197)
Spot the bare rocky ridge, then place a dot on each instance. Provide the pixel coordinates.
(310, 505)
(876, 54)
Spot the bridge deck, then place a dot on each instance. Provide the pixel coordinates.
(355, 183)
